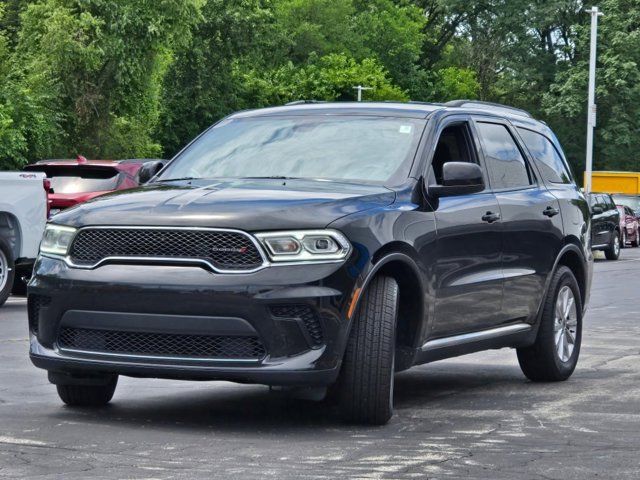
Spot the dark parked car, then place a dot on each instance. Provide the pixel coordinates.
(76, 181)
(323, 247)
(605, 225)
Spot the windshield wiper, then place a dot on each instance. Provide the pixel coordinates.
(274, 177)
(175, 179)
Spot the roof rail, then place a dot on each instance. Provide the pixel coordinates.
(418, 102)
(490, 105)
(302, 102)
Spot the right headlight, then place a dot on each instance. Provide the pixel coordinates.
(57, 239)
(305, 246)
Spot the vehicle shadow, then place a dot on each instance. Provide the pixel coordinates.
(238, 408)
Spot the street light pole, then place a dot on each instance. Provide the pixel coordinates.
(591, 110)
(360, 88)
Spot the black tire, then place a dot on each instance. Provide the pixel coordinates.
(541, 361)
(612, 252)
(87, 395)
(636, 242)
(365, 388)
(623, 242)
(7, 271)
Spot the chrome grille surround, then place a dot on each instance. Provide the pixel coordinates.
(193, 252)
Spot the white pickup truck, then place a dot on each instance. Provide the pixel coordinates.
(23, 215)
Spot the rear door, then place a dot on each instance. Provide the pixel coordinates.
(554, 171)
(532, 232)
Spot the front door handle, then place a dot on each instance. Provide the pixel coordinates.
(491, 217)
(551, 212)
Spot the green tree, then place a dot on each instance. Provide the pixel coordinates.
(618, 89)
(104, 62)
(331, 77)
(201, 85)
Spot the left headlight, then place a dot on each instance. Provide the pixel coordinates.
(57, 239)
(305, 246)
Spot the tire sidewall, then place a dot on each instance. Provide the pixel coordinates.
(4, 293)
(567, 279)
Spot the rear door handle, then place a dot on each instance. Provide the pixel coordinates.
(551, 212)
(491, 217)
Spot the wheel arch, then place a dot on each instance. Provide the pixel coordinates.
(398, 260)
(572, 258)
(10, 232)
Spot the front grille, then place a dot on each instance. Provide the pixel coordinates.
(225, 250)
(34, 304)
(161, 344)
(306, 315)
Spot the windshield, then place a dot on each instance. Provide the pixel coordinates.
(629, 200)
(353, 148)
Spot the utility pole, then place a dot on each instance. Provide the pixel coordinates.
(360, 88)
(591, 110)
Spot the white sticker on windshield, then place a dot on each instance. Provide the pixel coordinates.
(406, 128)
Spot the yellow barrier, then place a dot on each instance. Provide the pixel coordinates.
(627, 183)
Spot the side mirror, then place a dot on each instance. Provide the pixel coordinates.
(596, 210)
(149, 170)
(459, 178)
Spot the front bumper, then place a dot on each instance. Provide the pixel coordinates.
(175, 301)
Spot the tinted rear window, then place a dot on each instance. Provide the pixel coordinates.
(548, 159)
(69, 180)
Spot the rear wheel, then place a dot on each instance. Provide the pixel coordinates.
(87, 395)
(365, 387)
(612, 252)
(636, 239)
(623, 244)
(7, 272)
(554, 355)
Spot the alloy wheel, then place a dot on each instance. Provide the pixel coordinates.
(616, 245)
(566, 323)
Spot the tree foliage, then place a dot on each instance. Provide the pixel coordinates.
(125, 78)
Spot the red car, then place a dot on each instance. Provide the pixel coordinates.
(628, 226)
(76, 181)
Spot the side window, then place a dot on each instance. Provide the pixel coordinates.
(507, 166)
(602, 203)
(454, 145)
(549, 161)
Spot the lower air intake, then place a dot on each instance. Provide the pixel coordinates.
(161, 344)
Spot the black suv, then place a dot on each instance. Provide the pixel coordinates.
(323, 247)
(605, 225)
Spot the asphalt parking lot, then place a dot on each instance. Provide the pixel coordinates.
(471, 417)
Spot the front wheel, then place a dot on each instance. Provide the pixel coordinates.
(554, 355)
(365, 387)
(636, 239)
(88, 395)
(613, 251)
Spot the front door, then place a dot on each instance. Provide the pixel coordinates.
(468, 275)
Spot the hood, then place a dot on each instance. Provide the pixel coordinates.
(243, 204)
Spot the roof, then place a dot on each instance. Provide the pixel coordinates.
(401, 109)
(415, 110)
